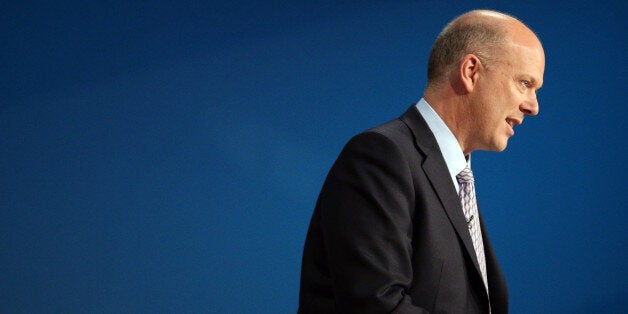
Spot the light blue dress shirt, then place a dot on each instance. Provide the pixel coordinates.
(447, 142)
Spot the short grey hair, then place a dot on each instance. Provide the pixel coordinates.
(460, 38)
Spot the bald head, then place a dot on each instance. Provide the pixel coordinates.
(483, 74)
(481, 32)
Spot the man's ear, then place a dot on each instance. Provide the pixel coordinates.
(468, 72)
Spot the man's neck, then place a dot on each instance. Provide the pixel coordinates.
(451, 109)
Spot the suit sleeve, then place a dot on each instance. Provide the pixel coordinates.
(366, 207)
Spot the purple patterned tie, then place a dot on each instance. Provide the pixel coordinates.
(470, 207)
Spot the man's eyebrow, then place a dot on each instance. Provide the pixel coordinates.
(532, 80)
(537, 84)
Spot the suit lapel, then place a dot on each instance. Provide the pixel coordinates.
(496, 281)
(436, 170)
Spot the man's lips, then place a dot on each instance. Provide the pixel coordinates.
(512, 122)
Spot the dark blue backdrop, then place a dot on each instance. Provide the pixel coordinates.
(162, 157)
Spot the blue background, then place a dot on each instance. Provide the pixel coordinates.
(162, 157)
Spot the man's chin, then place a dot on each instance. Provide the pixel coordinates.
(498, 147)
(502, 147)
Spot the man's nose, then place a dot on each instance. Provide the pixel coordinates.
(530, 106)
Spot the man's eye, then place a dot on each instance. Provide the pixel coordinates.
(525, 83)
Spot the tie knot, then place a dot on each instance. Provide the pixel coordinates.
(465, 176)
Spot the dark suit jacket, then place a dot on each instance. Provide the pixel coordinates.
(388, 233)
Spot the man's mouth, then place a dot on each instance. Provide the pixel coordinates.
(513, 121)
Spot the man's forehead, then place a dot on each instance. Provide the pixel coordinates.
(524, 60)
(514, 51)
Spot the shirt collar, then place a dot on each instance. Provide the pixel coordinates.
(447, 142)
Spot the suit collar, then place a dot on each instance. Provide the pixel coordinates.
(436, 170)
(446, 140)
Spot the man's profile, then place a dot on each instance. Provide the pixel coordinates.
(396, 227)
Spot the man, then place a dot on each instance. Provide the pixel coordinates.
(396, 227)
